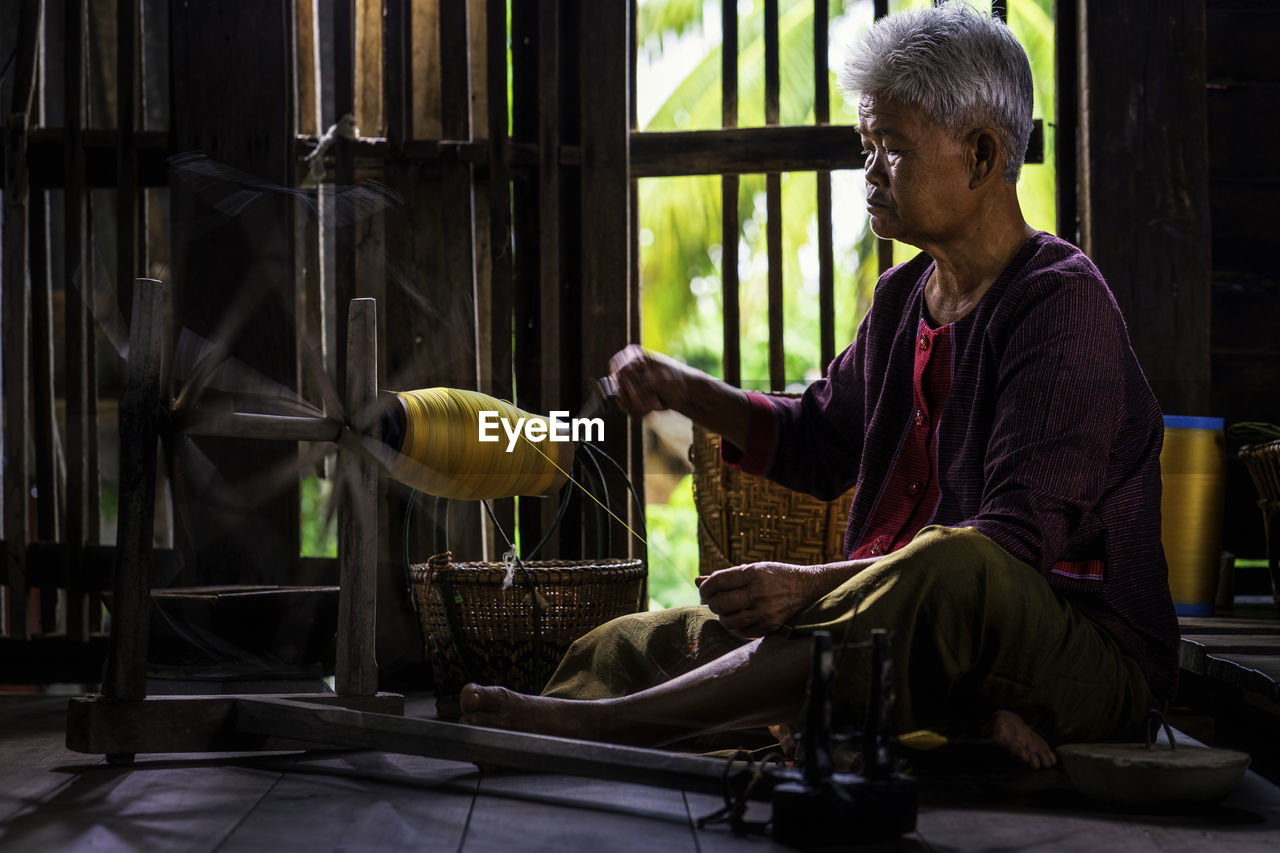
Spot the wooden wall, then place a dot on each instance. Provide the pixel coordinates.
(1243, 98)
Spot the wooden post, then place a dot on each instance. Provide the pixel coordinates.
(15, 318)
(604, 46)
(773, 205)
(357, 669)
(1143, 181)
(550, 275)
(15, 296)
(126, 673)
(729, 199)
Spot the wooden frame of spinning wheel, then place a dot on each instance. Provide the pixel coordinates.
(123, 721)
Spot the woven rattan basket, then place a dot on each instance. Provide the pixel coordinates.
(477, 631)
(1263, 462)
(746, 519)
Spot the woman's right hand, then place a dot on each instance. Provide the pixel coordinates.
(650, 382)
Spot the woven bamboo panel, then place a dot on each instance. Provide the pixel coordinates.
(747, 519)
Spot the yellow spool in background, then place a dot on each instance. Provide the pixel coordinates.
(1192, 467)
(440, 452)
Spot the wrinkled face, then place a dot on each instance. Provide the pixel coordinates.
(918, 173)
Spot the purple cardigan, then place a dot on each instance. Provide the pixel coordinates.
(1049, 442)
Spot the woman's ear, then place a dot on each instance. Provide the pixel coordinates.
(985, 158)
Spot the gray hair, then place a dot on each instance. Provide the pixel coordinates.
(965, 69)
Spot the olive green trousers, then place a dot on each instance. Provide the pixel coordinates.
(972, 631)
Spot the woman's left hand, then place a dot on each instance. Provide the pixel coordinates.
(759, 598)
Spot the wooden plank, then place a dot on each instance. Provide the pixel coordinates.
(268, 716)
(1257, 673)
(308, 77)
(425, 66)
(527, 300)
(551, 301)
(31, 754)
(773, 239)
(15, 321)
(100, 726)
(126, 675)
(729, 224)
(729, 236)
(826, 256)
(631, 817)
(1144, 67)
(826, 275)
(1263, 623)
(495, 353)
(15, 290)
(79, 338)
(44, 397)
(746, 150)
(369, 70)
(126, 219)
(361, 801)
(356, 668)
(606, 208)
(344, 95)
(1066, 70)
(397, 83)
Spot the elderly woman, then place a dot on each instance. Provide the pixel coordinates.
(1004, 444)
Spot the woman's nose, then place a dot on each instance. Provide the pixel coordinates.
(874, 169)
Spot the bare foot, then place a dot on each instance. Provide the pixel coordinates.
(500, 708)
(1011, 733)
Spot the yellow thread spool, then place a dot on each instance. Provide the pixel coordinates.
(440, 451)
(1192, 466)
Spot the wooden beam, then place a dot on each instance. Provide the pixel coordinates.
(1066, 73)
(126, 673)
(1143, 183)
(496, 354)
(604, 33)
(270, 717)
(826, 258)
(397, 82)
(356, 669)
(81, 500)
(98, 725)
(127, 15)
(15, 320)
(48, 448)
(773, 206)
(549, 199)
(729, 188)
(744, 151)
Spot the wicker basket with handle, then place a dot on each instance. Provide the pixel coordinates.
(1263, 462)
(746, 519)
(478, 631)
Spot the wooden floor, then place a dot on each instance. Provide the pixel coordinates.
(52, 799)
